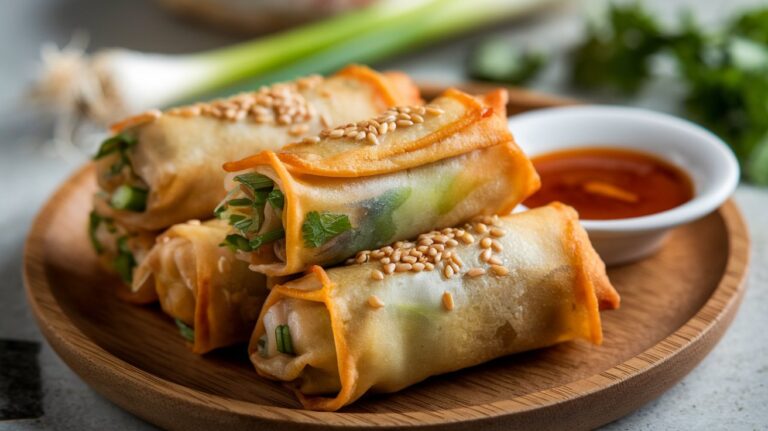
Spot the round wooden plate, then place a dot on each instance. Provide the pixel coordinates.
(675, 307)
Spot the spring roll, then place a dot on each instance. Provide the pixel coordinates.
(362, 185)
(162, 168)
(214, 298)
(449, 300)
(119, 250)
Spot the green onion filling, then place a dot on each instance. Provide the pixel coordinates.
(185, 330)
(129, 198)
(283, 339)
(94, 221)
(246, 213)
(124, 262)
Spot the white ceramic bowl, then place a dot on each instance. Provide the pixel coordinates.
(707, 160)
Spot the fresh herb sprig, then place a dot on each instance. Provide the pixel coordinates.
(119, 144)
(124, 262)
(725, 72)
(319, 228)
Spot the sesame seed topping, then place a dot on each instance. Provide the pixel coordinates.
(377, 275)
(486, 243)
(281, 104)
(481, 228)
(448, 301)
(497, 232)
(496, 246)
(499, 270)
(375, 302)
(476, 272)
(494, 260)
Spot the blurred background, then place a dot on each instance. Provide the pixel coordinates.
(704, 60)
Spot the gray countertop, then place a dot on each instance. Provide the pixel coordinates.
(728, 390)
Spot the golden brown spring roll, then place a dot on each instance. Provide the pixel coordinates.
(162, 168)
(363, 185)
(214, 297)
(449, 300)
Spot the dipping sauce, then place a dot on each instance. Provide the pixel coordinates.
(609, 183)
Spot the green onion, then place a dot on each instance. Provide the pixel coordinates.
(129, 198)
(276, 199)
(283, 339)
(254, 181)
(240, 202)
(140, 81)
(185, 330)
(266, 238)
(124, 262)
(319, 228)
(236, 242)
(118, 143)
(94, 221)
(243, 225)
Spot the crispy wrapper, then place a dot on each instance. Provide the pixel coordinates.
(202, 285)
(352, 331)
(456, 161)
(178, 153)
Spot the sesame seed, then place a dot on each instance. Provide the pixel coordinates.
(221, 264)
(496, 246)
(429, 266)
(452, 242)
(361, 257)
(336, 133)
(360, 135)
(497, 232)
(481, 228)
(409, 259)
(418, 267)
(448, 271)
(375, 302)
(373, 139)
(499, 270)
(467, 238)
(448, 301)
(475, 272)
(389, 268)
(434, 111)
(485, 255)
(417, 119)
(377, 275)
(455, 267)
(403, 267)
(456, 259)
(494, 260)
(486, 243)
(385, 260)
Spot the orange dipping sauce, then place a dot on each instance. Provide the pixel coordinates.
(609, 183)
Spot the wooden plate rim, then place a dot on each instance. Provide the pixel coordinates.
(63, 335)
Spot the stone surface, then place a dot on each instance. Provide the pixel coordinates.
(729, 390)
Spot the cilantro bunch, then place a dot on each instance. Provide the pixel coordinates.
(725, 72)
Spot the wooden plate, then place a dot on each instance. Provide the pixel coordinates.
(675, 307)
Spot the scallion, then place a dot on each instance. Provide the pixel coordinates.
(236, 242)
(138, 81)
(254, 181)
(266, 238)
(124, 262)
(185, 330)
(94, 221)
(283, 339)
(276, 199)
(129, 198)
(240, 202)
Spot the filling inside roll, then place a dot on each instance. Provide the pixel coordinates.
(298, 346)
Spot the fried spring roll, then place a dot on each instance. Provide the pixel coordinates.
(362, 185)
(454, 298)
(214, 297)
(162, 168)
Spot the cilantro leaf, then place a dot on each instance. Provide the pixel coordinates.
(319, 228)
(276, 199)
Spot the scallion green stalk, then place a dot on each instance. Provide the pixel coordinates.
(129, 198)
(139, 81)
